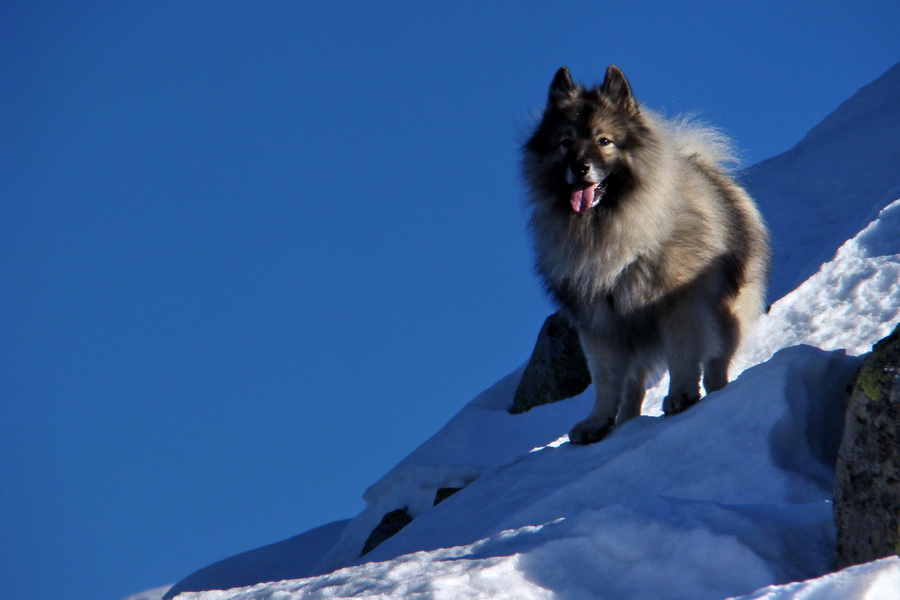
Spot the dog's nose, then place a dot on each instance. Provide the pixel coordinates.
(580, 168)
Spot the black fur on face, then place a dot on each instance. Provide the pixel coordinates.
(586, 136)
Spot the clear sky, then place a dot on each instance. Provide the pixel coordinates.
(252, 254)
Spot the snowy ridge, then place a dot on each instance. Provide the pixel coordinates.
(851, 302)
(827, 187)
(731, 499)
(154, 594)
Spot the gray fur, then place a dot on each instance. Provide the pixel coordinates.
(669, 264)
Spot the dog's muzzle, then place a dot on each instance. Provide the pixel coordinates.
(588, 185)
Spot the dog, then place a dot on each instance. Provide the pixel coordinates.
(649, 248)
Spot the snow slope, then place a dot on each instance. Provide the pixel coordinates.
(727, 499)
(828, 186)
(879, 580)
(299, 556)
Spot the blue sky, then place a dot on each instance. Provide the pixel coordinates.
(254, 254)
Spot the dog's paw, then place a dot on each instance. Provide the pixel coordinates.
(678, 403)
(589, 431)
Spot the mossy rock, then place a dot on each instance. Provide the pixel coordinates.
(879, 372)
(867, 485)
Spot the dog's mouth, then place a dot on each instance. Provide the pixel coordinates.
(586, 195)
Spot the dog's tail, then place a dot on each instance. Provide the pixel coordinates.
(703, 143)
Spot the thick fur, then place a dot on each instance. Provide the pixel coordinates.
(653, 252)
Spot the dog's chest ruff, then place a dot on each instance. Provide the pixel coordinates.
(595, 287)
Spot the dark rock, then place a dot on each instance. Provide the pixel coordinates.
(444, 493)
(557, 369)
(867, 486)
(390, 524)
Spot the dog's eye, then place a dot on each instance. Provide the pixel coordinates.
(604, 141)
(565, 143)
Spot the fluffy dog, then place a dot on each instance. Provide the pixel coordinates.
(646, 244)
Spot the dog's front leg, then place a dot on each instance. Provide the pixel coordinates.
(609, 367)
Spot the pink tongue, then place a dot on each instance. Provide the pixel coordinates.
(582, 198)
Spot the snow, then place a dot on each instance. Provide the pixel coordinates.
(731, 499)
(849, 303)
(878, 580)
(296, 557)
(154, 594)
(653, 511)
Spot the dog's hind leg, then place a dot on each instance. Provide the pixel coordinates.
(684, 341)
(633, 393)
(715, 374)
(715, 369)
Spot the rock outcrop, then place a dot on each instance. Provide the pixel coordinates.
(557, 369)
(390, 525)
(867, 487)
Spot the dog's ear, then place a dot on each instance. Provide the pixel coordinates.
(562, 86)
(616, 88)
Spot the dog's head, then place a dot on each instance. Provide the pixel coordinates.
(581, 153)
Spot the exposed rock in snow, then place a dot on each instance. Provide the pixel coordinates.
(557, 368)
(867, 490)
